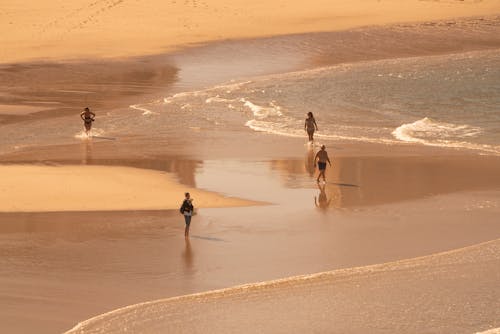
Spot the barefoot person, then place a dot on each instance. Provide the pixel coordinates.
(88, 117)
(187, 210)
(322, 158)
(310, 125)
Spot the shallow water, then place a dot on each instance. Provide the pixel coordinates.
(449, 101)
(375, 84)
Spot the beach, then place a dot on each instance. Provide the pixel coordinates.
(209, 97)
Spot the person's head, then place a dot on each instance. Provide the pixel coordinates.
(187, 195)
(323, 147)
(310, 114)
(86, 109)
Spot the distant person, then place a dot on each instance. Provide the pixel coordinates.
(187, 210)
(322, 158)
(88, 117)
(310, 126)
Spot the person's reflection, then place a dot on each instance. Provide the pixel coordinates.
(309, 161)
(187, 256)
(322, 202)
(87, 152)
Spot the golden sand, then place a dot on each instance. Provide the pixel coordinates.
(29, 188)
(82, 28)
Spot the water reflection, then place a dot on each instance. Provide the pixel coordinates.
(322, 201)
(187, 257)
(309, 161)
(87, 152)
(360, 181)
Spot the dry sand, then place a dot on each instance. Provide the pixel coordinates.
(29, 188)
(104, 28)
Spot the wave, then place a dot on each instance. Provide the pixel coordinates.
(432, 133)
(286, 128)
(145, 111)
(155, 314)
(262, 112)
(490, 331)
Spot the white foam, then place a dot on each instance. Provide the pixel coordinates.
(262, 112)
(284, 129)
(217, 99)
(490, 331)
(228, 88)
(145, 111)
(183, 95)
(94, 132)
(432, 133)
(429, 129)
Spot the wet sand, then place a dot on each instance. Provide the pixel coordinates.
(380, 205)
(410, 296)
(62, 267)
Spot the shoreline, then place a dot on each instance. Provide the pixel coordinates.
(114, 85)
(153, 315)
(84, 252)
(133, 80)
(392, 202)
(35, 188)
(81, 30)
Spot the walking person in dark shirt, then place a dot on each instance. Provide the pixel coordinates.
(187, 210)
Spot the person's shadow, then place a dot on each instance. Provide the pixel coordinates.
(322, 202)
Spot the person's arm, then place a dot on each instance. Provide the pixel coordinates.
(81, 115)
(305, 125)
(328, 159)
(93, 115)
(316, 125)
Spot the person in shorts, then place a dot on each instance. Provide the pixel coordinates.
(322, 158)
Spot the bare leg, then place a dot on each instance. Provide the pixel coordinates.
(321, 174)
(188, 223)
(311, 135)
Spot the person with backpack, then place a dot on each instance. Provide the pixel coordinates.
(187, 209)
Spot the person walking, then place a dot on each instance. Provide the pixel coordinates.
(187, 209)
(322, 158)
(310, 126)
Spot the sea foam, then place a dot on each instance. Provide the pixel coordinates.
(433, 133)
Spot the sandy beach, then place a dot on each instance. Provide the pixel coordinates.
(203, 96)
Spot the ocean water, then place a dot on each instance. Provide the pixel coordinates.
(450, 101)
